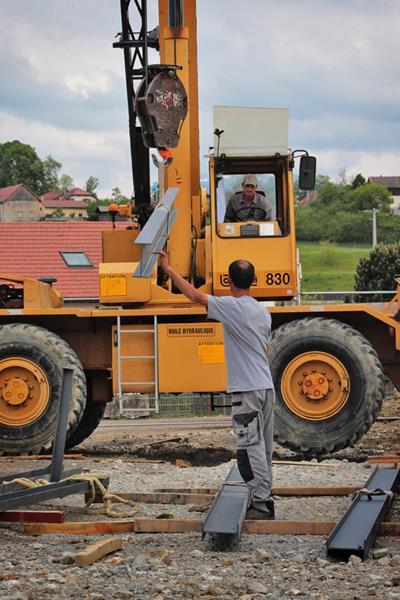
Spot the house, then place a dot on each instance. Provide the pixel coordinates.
(69, 251)
(62, 208)
(392, 183)
(18, 203)
(79, 194)
(75, 194)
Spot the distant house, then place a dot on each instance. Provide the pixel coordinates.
(69, 251)
(79, 194)
(18, 203)
(75, 194)
(392, 183)
(62, 208)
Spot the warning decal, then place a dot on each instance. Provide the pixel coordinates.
(112, 285)
(211, 352)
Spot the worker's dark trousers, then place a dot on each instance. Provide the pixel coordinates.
(253, 421)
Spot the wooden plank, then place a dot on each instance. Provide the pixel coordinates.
(167, 525)
(343, 490)
(41, 457)
(80, 527)
(161, 498)
(289, 527)
(305, 463)
(184, 525)
(389, 528)
(32, 516)
(193, 490)
(97, 550)
(386, 458)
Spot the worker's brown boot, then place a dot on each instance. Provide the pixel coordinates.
(263, 511)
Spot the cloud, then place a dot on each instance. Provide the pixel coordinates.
(334, 64)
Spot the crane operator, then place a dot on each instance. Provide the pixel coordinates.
(248, 205)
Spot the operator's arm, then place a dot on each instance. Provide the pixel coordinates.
(184, 286)
(266, 205)
(229, 213)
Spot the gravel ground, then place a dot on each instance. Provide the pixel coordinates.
(174, 566)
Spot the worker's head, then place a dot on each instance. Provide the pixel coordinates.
(249, 186)
(242, 274)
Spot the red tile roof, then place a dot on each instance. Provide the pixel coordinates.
(33, 249)
(63, 203)
(51, 195)
(79, 192)
(387, 181)
(7, 192)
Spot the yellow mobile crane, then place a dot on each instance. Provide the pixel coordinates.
(328, 361)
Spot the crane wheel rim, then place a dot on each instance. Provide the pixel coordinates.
(315, 386)
(24, 392)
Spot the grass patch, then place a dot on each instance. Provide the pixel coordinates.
(328, 267)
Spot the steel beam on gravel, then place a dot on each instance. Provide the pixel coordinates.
(225, 518)
(357, 530)
(58, 489)
(33, 475)
(15, 495)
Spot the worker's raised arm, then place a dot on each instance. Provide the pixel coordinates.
(184, 286)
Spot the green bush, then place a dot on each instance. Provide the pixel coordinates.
(377, 272)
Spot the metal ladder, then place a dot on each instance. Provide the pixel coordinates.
(121, 395)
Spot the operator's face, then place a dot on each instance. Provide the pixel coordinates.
(249, 191)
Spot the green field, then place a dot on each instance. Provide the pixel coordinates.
(328, 267)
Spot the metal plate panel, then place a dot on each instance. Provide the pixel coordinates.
(357, 530)
(228, 510)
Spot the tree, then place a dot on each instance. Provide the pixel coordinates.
(333, 196)
(92, 184)
(369, 196)
(118, 197)
(358, 181)
(65, 182)
(19, 163)
(51, 169)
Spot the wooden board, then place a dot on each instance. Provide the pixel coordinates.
(80, 527)
(161, 498)
(343, 490)
(97, 550)
(289, 527)
(185, 525)
(385, 459)
(32, 516)
(40, 457)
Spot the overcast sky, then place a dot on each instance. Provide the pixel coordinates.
(334, 63)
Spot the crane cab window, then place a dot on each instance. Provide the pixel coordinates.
(248, 206)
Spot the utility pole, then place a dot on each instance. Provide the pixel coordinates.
(374, 236)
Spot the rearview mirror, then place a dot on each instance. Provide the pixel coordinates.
(307, 170)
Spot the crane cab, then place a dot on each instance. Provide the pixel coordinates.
(253, 141)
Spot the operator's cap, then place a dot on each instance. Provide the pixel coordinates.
(250, 180)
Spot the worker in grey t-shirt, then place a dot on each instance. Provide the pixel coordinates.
(247, 328)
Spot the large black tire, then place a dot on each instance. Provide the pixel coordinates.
(314, 426)
(32, 359)
(91, 417)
